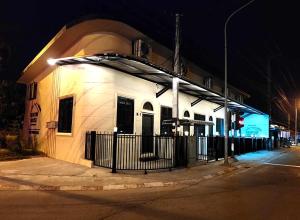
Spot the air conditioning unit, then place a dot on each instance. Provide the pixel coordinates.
(141, 49)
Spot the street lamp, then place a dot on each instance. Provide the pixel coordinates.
(225, 79)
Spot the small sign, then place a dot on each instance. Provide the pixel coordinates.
(51, 124)
(35, 110)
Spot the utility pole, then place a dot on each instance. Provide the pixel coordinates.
(225, 82)
(177, 71)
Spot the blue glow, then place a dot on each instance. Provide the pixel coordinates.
(255, 125)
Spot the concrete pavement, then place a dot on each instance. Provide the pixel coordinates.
(44, 173)
(262, 192)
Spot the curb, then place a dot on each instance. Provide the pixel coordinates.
(117, 186)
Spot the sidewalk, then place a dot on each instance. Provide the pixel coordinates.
(42, 173)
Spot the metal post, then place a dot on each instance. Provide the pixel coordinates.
(225, 82)
(177, 71)
(296, 122)
(175, 104)
(93, 145)
(114, 153)
(233, 127)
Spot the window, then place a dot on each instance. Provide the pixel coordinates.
(125, 115)
(220, 126)
(165, 114)
(231, 94)
(239, 98)
(208, 82)
(199, 130)
(210, 128)
(148, 106)
(65, 115)
(186, 114)
(32, 91)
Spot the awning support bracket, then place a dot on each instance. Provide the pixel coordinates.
(218, 108)
(162, 91)
(196, 101)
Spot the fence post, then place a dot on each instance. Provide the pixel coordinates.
(93, 145)
(217, 148)
(186, 150)
(86, 156)
(114, 155)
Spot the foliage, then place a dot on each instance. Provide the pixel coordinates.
(12, 100)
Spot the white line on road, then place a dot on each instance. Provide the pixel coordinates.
(282, 165)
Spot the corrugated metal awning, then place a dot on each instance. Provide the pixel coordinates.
(148, 71)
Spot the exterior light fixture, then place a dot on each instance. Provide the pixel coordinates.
(51, 61)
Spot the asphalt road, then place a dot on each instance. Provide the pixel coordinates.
(269, 191)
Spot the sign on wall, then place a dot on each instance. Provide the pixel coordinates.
(255, 125)
(34, 126)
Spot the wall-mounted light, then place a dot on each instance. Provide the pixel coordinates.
(51, 61)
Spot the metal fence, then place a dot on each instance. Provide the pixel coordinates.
(212, 148)
(140, 152)
(130, 152)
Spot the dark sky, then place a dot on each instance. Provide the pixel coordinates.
(265, 31)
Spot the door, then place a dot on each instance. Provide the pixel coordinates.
(199, 130)
(199, 133)
(147, 133)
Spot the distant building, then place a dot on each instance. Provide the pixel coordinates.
(100, 74)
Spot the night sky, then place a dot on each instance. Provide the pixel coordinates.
(266, 30)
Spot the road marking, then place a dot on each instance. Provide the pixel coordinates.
(282, 165)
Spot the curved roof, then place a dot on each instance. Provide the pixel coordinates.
(68, 36)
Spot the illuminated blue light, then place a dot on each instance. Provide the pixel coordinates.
(255, 125)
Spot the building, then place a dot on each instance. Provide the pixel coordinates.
(99, 74)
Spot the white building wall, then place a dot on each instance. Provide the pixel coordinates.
(95, 90)
(102, 86)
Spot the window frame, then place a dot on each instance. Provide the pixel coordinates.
(208, 82)
(148, 110)
(161, 126)
(133, 113)
(59, 133)
(222, 127)
(32, 90)
(186, 111)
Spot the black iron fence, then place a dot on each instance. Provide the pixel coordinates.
(134, 152)
(140, 152)
(212, 148)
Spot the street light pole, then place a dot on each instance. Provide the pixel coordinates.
(296, 119)
(225, 83)
(177, 71)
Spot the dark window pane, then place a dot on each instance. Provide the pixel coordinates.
(186, 114)
(125, 115)
(165, 114)
(65, 115)
(210, 130)
(220, 126)
(148, 106)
